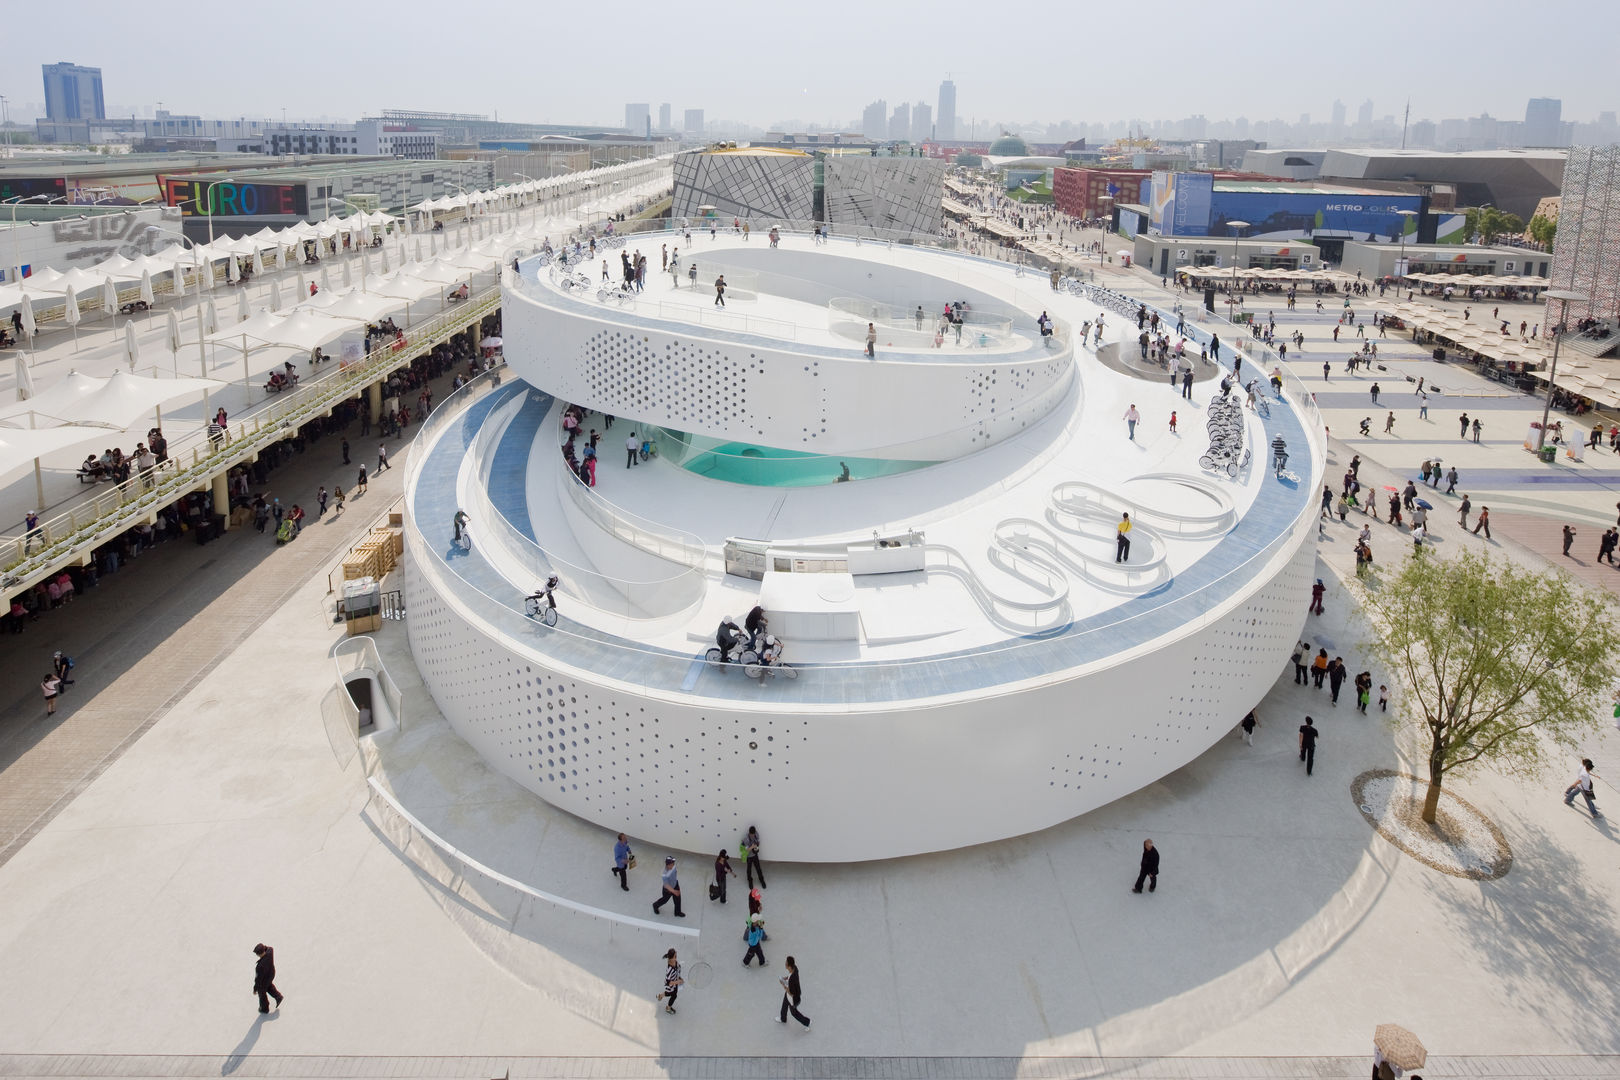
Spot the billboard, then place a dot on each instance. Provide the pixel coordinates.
(1179, 202)
(228, 198)
(1281, 215)
(29, 187)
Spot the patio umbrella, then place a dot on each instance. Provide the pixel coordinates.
(281, 256)
(384, 256)
(243, 311)
(130, 348)
(25, 378)
(109, 297)
(1400, 1047)
(258, 262)
(179, 281)
(275, 294)
(416, 255)
(348, 276)
(28, 326)
(210, 318)
(326, 279)
(70, 313)
(147, 296)
(208, 274)
(232, 275)
(303, 288)
(493, 342)
(172, 331)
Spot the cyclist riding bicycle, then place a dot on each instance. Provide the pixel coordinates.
(729, 638)
(532, 603)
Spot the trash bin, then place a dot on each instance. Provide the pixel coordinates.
(1549, 453)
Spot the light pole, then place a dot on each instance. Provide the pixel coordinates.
(202, 351)
(1231, 299)
(1400, 261)
(16, 245)
(1563, 296)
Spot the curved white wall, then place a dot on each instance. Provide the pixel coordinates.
(763, 390)
(841, 783)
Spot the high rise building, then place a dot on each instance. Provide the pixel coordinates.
(694, 122)
(638, 118)
(1336, 129)
(875, 120)
(1542, 122)
(946, 128)
(1364, 114)
(900, 123)
(922, 122)
(664, 112)
(73, 92)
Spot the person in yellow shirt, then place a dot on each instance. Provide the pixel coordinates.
(1122, 546)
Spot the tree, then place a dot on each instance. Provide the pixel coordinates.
(1497, 661)
(1487, 222)
(1542, 230)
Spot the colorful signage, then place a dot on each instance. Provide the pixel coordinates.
(31, 187)
(228, 198)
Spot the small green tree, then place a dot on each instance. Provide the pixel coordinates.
(1542, 230)
(1494, 659)
(1487, 222)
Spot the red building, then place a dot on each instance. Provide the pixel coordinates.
(1084, 192)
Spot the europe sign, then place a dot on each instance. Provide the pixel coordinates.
(227, 198)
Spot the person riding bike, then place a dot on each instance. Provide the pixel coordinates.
(545, 593)
(729, 637)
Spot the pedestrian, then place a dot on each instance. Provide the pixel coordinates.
(1462, 518)
(1477, 426)
(1186, 384)
(1383, 698)
(672, 889)
(631, 446)
(337, 501)
(1318, 591)
(1484, 522)
(1149, 871)
(1389, 424)
(871, 340)
(360, 481)
(1247, 725)
(1326, 367)
(345, 451)
(1569, 539)
(1336, 677)
(1122, 543)
(750, 846)
(264, 977)
(722, 867)
(1301, 669)
(1327, 502)
(1606, 546)
(321, 499)
(1319, 668)
(382, 457)
(1307, 744)
(755, 936)
(623, 858)
(672, 981)
(1423, 406)
(1172, 421)
(51, 686)
(720, 291)
(1451, 481)
(1375, 393)
(1583, 787)
(1131, 417)
(1463, 420)
(791, 995)
(63, 665)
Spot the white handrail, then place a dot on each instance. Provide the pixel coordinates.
(512, 883)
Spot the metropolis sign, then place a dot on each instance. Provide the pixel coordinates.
(227, 198)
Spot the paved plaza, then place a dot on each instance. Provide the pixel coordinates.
(189, 798)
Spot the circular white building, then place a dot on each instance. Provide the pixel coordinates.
(930, 530)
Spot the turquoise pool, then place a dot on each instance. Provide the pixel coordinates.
(768, 466)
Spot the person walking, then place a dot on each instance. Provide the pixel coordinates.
(1451, 481)
(360, 481)
(722, 868)
(1477, 426)
(382, 457)
(50, 686)
(1186, 383)
(1301, 668)
(673, 980)
(1336, 677)
(792, 993)
(1484, 522)
(1318, 591)
(1307, 744)
(337, 501)
(622, 857)
(1363, 691)
(631, 446)
(1149, 871)
(750, 845)
(345, 451)
(720, 291)
(321, 499)
(1389, 424)
(1569, 539)
(1131, 417)
(1375, 393)
(871, 340)
(672, 889)
(755, 936)
(1583, 787)
(1463, 420)
(1122, 543)
(1467, 505)
(264, 977)
(1247, 724)
(1319, 668)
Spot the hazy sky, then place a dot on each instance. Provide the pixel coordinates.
(822, 61)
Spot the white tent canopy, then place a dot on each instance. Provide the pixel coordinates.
(20, 447)
(115, 402)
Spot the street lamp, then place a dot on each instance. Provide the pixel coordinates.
(202, 351)
(16, 245)
(1400, 262)
(1231, 298)
(1563, 296)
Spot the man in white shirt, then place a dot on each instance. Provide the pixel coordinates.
(1583, 787)
(632, 446)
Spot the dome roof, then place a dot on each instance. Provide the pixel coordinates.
(1009, 146)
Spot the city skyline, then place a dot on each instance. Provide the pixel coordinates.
(754, 87)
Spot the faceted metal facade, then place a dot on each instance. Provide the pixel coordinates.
(886, 195)
(745, 184)
(1586, 253)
